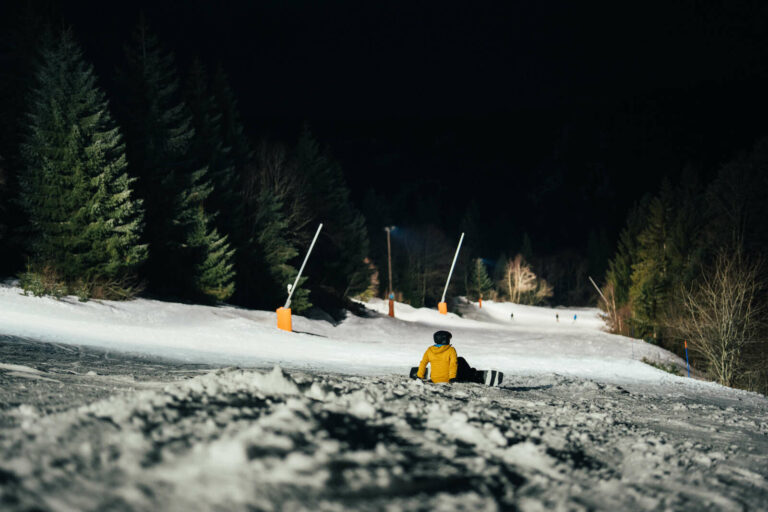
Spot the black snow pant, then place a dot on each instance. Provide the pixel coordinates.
(465, 373)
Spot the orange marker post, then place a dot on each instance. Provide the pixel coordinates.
(480, 302)
(284, 321)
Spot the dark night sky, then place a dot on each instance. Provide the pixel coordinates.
(555, 116)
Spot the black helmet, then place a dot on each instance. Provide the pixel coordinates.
(442, 338)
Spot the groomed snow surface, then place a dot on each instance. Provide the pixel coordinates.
(531, 343)
(580, 423)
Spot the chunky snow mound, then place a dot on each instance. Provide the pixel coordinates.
(531, 343)
(243, 440)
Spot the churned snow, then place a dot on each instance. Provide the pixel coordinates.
(244, 439)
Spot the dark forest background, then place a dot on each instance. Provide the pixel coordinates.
(187, 151)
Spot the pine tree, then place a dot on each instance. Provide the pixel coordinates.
(480, 283)
(24, 27)
(214, 276)
(651, 274)
(261, 208)
(688, 243)
(216, 273)
(499, 268)
(83, 221)
(619, 272)
(272, 213)
(188, 257)
(210, 151)
(736, 202)
(232, 134)
(275, 251)
(343, 246)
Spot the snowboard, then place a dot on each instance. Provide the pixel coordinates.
(415, 371)
(489, 377)
(492, 377)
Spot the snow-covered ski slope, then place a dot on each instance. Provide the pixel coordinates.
(531, 343)
(579, 424)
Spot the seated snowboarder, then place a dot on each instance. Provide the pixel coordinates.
(445, 365)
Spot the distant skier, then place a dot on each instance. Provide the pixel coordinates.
(557, 317)
(574, 318)
(446, 366)
(511, 316)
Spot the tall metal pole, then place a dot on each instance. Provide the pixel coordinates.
(298, 276)
(455, 257)
(389, 260)
(391, 295)
(599, 291)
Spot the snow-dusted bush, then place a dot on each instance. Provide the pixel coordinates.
(522, 285)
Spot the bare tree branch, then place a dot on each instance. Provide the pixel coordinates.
(722, 315)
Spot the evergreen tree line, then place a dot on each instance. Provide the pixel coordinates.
(422, 249)
(422, 254)
(688, 267)
(158, 188)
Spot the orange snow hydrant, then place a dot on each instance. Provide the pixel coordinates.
(284, 321)
(442, 357)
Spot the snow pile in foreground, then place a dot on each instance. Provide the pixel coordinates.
(237, 439)
(531, 343)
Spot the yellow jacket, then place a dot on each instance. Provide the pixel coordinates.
(443, 361)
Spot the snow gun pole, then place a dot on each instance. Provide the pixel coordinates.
(284, 313)
(687, 365)
(304, 264)
(442, 307)
(598, 291)
(611, 310)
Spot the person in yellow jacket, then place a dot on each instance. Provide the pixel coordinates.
(442, 358)
(446, 365)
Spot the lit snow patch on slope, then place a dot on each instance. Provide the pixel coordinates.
(532, 343)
